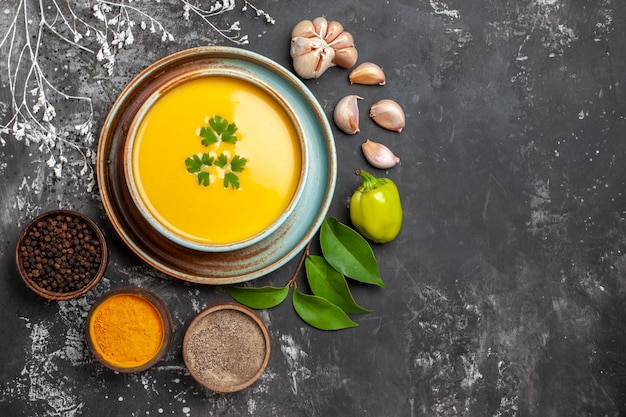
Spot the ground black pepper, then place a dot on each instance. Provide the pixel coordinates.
(60, 253)
(225, 348)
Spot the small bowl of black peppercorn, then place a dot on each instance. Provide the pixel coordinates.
(61, 254)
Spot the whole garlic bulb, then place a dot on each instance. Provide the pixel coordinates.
(318, 44)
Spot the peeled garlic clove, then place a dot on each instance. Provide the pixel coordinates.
(367, 73)
(311, 57)
(378, 155)
(388, 114)
(346, 114)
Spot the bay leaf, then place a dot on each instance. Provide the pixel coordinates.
(348, 252)
(326, 282)
(258, 298)
(320, 313)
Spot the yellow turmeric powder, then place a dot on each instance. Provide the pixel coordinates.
(126, 330)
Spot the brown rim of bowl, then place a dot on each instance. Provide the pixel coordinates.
(166, 318)
(55, 295)
(212, 309)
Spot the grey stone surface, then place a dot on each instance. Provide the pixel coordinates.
(505, 289)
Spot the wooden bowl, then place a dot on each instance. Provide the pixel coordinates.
(126, 328)
(226, 347)
(61, 254)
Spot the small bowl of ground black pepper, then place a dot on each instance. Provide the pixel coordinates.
(61, 254)
(226, 347)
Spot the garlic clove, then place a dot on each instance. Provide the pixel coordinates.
(311, 57)
(303, 29)
(388, 114)
(334, 29)
(367, 73)
(343, 40)
(346, 57)
(346, 114)
(321, 26)
(379, 155)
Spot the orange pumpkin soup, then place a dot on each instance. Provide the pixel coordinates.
(216, 160)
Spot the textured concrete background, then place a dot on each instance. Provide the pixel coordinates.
(505, 289)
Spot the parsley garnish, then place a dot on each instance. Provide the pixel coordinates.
(195, 165)
(219, 130)
(231, 179)
(237, 163)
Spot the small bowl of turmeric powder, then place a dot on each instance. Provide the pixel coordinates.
(129, 329)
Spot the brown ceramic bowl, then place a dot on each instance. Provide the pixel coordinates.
(148, 300)
(61, 254)
(226, 347)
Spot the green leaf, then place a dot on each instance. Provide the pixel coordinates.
(208, 136)
(218, 123)
(221, 160)
(259, 298)
(320, 313)
(204, 178)
(207, 159)
(237, 163)
(348, 252)
(228, 135)
(326, 282)
(194, 164)
(232, 180)
(220, 130)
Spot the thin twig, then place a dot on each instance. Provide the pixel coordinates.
(305, 253)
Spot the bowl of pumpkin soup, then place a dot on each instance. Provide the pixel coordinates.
(216, 165)
(215, 160)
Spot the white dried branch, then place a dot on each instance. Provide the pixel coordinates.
(33, 114)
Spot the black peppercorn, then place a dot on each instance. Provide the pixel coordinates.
(60, 253)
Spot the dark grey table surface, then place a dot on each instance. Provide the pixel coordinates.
(505, 289)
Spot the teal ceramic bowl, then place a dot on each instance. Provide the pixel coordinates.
(246, 76)
(265, 253)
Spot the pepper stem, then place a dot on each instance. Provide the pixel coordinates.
(368, 181)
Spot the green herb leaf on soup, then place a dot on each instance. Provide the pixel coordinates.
(348, 252)
(259, 298)
(232, 180)
(237, 163)
(194, 164)
(208, 136)
(326, 282)
(229, 134)
(204, 178)
(319, 312)
(221, 160)
(207, 159)
(225, 131)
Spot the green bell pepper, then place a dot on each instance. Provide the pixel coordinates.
(375, 208)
